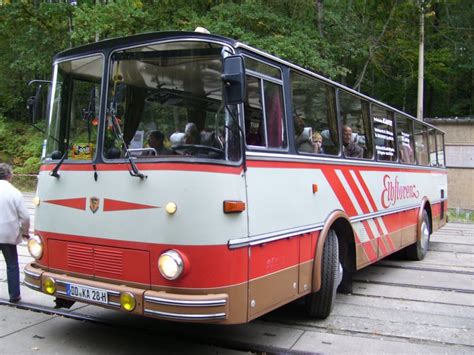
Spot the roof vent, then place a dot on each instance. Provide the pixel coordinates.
(202, 30)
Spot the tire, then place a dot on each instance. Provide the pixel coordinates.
(319, 304)
(418, 250)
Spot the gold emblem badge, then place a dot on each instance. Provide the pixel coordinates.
(94, 204)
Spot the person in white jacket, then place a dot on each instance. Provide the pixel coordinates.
(14, 225)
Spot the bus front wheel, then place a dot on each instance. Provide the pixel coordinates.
(319, 304)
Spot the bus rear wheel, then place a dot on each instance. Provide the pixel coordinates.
(319, 304)
(419, 250)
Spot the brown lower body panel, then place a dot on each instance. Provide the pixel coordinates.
(226, 305)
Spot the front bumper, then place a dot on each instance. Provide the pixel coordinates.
(205, 308)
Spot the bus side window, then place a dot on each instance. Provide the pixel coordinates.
(384, 137)
(406, 152)
(357, 141)
(421, 144)
(254, 127)
(264, 117)
(315, 121)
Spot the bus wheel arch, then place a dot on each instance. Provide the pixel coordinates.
(425, 206)
(339, 222)
(419, 249)
(335, 253)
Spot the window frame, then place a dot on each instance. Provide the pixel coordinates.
(262, 78)
(390, 114)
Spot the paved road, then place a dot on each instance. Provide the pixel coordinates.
(397, 306)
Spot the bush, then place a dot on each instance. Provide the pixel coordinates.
(21, 146)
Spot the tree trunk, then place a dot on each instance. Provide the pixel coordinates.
(320, 10)
(372, 49)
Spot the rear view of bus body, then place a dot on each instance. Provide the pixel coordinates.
(190, 177)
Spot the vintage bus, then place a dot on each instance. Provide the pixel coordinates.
(190, 177)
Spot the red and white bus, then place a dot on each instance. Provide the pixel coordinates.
(191, 177)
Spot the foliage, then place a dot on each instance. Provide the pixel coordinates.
(369, 45)
(21, 146)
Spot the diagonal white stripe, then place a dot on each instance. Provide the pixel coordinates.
(367, 202)
(382, 225)
(361, 232)
(349, 191)
(362, 191)
(356, 204)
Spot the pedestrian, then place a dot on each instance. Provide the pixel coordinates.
(14, 224)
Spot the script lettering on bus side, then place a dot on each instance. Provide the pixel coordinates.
(394, 192)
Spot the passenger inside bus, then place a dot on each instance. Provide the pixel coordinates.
(156, 141)
(317, 139)
(303, 136)
(350, 147)
(191, 134)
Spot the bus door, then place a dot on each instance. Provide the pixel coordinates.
(273, 262)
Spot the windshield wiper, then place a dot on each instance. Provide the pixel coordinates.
(54, 172)
(118, 133)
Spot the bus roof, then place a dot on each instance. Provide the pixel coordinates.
(120, 42)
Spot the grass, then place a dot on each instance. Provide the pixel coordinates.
(25, 183)
(460, 215)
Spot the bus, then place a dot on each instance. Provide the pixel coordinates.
(190, 177)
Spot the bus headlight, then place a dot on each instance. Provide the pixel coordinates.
(170, 264)
(35, 246)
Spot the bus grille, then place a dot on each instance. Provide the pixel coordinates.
(100, 261)
(79, 256)
(95, 259)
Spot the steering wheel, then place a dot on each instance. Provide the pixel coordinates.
(199, 150)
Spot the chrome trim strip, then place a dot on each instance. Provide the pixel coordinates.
(366, 216)
(30, 285)
(169, 302)
(114, 304)
(180, 316)
(62, 293)
(289, 233)
(273, 236)
(331, 160)
(32, 275)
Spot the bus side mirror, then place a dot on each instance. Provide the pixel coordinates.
(233, 77)
(36, 103)
(32, 105)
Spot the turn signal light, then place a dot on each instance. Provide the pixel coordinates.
(49, 285)
(234, 206)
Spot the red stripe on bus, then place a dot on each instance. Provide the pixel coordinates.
(382, 247)
(378, 226)
(209, 266)
(390, 242)
(272, 164)
(340, 191)
(77, 203)
(369, 250)
(366, 190)
(355, 190)
(368, 230)
(116, 205)
(236, 170)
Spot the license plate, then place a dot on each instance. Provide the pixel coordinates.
(87, 293)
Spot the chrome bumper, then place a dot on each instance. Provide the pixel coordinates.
(157, 304)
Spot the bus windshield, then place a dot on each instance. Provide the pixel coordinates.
(73, 119)
(165, 101)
